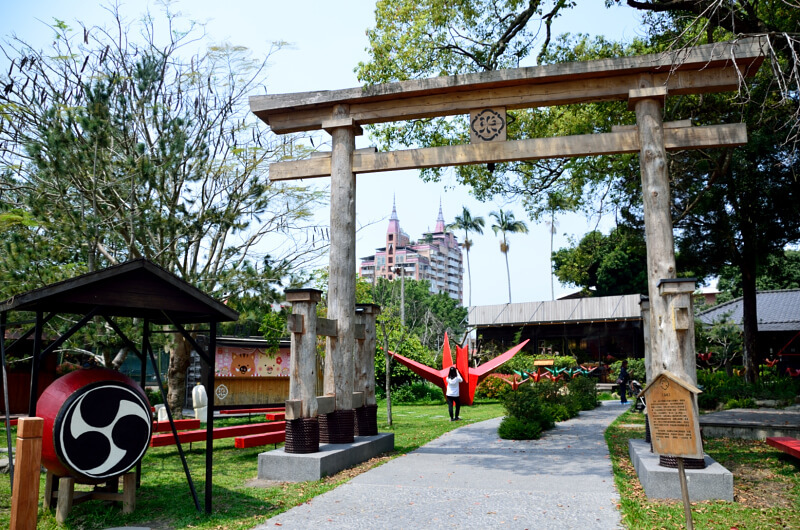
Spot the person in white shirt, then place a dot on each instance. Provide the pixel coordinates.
(453, 379)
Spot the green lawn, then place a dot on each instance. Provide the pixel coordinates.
(766, 485)
(164, 499)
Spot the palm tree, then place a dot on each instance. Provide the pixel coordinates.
(466, 222)
(505, 223)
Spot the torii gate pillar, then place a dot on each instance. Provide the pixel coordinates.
(671, 323)
(341, 280)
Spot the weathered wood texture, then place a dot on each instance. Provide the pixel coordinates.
(303, 359)
(669, 349)
(622, 141)
(341, 283)
(574, 310)
(365, 353)
(25, 498)
(694, 70)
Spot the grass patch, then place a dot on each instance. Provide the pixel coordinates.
(766, 485)
(240, 500)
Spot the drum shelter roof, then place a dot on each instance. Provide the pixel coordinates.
(137, 288)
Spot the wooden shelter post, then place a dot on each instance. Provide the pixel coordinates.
(338, 379)
(37, 350)
(668, 350)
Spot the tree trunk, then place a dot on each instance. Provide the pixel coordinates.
(508, 275)
(179, 361)
(750, 357)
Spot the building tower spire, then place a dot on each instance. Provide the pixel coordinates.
(440, 219)
(394, 222)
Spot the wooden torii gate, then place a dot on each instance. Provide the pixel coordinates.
(644, 81)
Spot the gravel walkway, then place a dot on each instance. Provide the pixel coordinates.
(470, 478)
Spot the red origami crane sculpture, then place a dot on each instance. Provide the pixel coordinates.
(705, 357)
(471, 376)
(771, 362)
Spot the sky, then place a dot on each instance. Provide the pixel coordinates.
(327, 40)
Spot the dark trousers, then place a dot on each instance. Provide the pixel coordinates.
(450, 401)
(623, 398)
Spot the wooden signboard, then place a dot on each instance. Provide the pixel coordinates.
(673, 416)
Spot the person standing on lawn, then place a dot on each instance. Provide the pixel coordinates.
(453, 380)
(622, 381)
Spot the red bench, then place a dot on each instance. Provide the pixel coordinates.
(161, 440)
(255, 440)
(181, 425)
(785, 444)
(275, 416)
(252, 411)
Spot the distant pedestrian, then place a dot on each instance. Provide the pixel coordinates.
(622, 381)
(453, 380)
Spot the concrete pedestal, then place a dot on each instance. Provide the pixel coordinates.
(331, 458)
(712, 483)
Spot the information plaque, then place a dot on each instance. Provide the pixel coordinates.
(672, 413)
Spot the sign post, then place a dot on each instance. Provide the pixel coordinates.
(674, 425)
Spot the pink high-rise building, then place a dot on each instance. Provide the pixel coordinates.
(436, 257)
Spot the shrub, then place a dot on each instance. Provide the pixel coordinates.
(525, 404)
(584, 391)
(492, 388)
(560, 412)
(512, 428)
(416, 392)
(744, 403)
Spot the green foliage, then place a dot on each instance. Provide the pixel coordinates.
(492, 388)
(720, 388)
(113, 149)
(723, 338)
(584, 391)
(528, 405)
(428, 316)
(636, 369)
(400, 375)
(273, 328)
(417, 392)
(605, 265)
(534, 407)
(779, 271)
(513, 428)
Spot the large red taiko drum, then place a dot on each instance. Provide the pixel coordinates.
(97, 425)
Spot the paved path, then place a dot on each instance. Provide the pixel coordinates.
(470, 478)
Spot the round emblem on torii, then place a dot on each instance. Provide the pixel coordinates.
(488, 124)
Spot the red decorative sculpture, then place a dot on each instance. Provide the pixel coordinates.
(792, 372)
(771, 362)
(471, 376)
(512, 380)
(705, 357)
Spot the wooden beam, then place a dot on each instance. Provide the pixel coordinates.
(625, 141)
(514, 97)
(709, 68)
